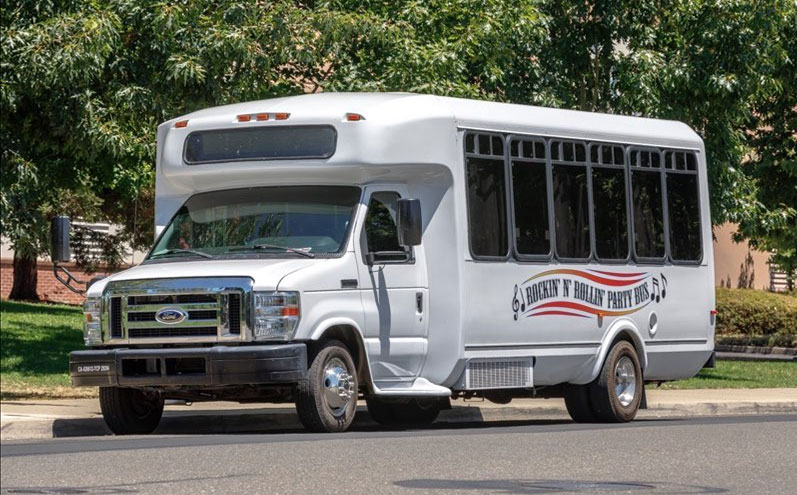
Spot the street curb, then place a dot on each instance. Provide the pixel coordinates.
(285, 419)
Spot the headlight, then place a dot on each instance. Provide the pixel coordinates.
(92, 333)
(276, 315)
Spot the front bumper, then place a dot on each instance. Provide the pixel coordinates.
(198, 366)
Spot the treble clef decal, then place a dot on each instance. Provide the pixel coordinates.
(516, 305)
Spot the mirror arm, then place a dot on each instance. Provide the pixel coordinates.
(67, 282)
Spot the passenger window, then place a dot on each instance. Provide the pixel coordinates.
(381, 231)
(487, 214)
(648, 211)
(609, 202)
(570, 199)
(683, 206)
(530, 197)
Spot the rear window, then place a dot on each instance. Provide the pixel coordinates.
(260, 143)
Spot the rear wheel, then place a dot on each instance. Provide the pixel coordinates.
(415, 411)
(128, 411)
(578, 405)
(327, 400)
(616, 394)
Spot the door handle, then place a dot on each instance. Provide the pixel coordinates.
(419, 302)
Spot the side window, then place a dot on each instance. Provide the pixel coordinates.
(570, 199)
(648, 211)
(530, 197)
(487, 213)
(381, 230)
(609, 201)
(682, 205)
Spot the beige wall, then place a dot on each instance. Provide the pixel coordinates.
(736, 262)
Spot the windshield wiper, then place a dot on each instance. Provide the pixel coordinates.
(180, 251)
(272, 246)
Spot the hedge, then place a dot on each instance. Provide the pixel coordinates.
(754, 317)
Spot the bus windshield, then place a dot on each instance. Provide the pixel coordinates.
(285, 221)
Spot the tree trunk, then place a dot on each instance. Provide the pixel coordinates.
(25, 279)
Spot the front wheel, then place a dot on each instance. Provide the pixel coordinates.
(327, 400)
(128, 411)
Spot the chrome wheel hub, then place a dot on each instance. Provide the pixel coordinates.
(625, 381)
(338, 387)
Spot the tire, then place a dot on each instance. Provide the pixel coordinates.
(416, 412)
(327, 400)
(615, 395)
(128, 411)
(578, 404)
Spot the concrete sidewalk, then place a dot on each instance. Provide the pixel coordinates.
(81, 417)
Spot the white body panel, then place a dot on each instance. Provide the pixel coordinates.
(413, 144)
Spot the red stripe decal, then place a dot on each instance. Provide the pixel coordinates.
(618, 274)
(558, 313)
(586, 309)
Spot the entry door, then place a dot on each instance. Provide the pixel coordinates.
(394, 290)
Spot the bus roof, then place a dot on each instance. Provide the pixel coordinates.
(385, 108)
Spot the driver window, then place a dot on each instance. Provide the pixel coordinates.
(381, 231)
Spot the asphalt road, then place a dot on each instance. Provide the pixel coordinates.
(747, 454)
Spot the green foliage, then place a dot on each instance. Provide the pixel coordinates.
(35, 342)
(85, 84)
(751, 317)
(741, 374)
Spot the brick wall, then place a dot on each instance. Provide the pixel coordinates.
(48, 288)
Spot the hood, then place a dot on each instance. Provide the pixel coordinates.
(266, 273)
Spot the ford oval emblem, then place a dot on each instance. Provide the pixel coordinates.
(170, 316)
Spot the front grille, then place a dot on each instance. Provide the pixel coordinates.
(171, 299)
(116, 318)
(139, 333)
(208, 309)
(234, 310)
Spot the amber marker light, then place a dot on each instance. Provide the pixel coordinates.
(261, 117)
(244, 118)
(290, 311)
(354, 117)
(281, 116)
(181, 123)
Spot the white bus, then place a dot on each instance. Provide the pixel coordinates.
(408, 249)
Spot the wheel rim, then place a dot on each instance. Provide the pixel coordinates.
(338, 387)
(625, 381)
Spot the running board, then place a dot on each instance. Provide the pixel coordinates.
(419, 387)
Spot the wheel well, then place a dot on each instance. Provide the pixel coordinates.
(349, 336)
(629, 337)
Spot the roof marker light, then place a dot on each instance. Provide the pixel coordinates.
(244, 118)
(354, 117)
(282, 116)
(261, 116)
(181, 123)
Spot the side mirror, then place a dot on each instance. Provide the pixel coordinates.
(409, 222)
(59, 238)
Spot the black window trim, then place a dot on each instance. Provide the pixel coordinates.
(250, 127)
(627, 179)
(510, 138)
(507, 171)
(696, 173)
(627, 147)
(591, 256)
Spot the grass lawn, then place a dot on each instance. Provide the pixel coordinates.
(742, 374)
(36, 339)
(35, 342)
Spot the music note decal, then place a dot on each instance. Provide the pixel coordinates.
(655, 295)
